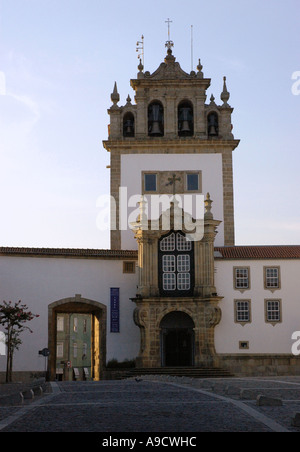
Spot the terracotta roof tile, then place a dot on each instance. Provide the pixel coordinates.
(231, 252)
(260, 252)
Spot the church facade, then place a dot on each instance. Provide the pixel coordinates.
(173, 290)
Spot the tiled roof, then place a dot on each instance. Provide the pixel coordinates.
(69, 252)
(260, 252)
(230, 252)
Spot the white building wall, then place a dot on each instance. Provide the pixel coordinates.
(210, 165)
(263, 337)
(40, 281)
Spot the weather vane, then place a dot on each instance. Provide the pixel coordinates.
(140, 47)
(169, 43)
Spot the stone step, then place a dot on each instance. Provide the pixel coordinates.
(192, 372)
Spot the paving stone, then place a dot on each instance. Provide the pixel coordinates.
(268, 401)
(296, 420)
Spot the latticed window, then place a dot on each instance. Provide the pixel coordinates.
(272, 278)
(242, 311)
(168, 243)
(182, 243)
(273, 311)
(241, 278)
(169, 263)
(176, 265)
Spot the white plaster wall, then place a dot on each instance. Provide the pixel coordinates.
(39, 282)
(210, 165)
(262, 337)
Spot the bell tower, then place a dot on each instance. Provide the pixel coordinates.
(170, 129)
(169, 147)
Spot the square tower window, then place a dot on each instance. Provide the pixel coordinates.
(192, 181)
(150, 182)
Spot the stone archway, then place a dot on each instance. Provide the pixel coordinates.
(80, 306)
(177, 339)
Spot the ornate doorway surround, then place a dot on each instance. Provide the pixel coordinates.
(177, 339)
(182, 281)
(79, 305)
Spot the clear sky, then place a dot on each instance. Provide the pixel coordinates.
(59, 60)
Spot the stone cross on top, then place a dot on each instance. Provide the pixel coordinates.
(169, 43)
(172, 181)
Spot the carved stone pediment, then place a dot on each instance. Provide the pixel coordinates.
(169, 71)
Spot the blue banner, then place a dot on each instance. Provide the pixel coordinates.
(114, 310)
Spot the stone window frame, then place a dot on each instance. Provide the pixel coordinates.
(277, 267)
(244, 345)
(242, 322)
(199, 173)
(129, 267)
(149, 192)
(159, 181)
(170, 281)
(241, 289)
(273, 322)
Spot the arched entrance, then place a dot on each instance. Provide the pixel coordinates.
(77, 339)
(177, 339)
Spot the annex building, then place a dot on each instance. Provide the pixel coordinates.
(173, 290)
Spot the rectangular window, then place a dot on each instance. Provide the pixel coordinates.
(183, 281)
(273, 311)
(128, 267)
(84, 325)
(169, 281)
(75, 325)
(75, 350)
(244, 345)
(241, 277)
(183, 263)
(84, 349)
(242, 311)
(59, 350)
(272, 278)
(60, 323)
(150, 182)
(192, 181)
(168, 263)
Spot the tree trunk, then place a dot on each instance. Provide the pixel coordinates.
(9, 357)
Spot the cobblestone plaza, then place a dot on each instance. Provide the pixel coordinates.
(157, 405)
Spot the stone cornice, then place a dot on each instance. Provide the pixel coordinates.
(166, 146)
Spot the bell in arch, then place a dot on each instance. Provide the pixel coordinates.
(185, 126)
(185, 119)
(213, 125)
(155, 120)
(128, 126)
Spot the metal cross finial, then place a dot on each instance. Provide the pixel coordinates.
(169, 43)
(172, 181)
(168, 22)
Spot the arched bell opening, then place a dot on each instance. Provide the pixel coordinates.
(185, 119)
(156, 119)
(212, 124)
(128, 125)
(177, 340)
